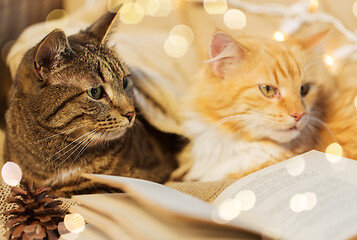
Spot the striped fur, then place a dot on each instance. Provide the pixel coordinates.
(56, 131)
(233, 126)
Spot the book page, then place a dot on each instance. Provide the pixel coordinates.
(169, 200)
(311, 196)
(115, 214)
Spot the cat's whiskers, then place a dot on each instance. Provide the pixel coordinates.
(83, 149)
(77, 146)
(73, 142)
(61, 133)
(320, 122)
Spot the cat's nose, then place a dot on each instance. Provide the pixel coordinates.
(297, 115)
(129, 115)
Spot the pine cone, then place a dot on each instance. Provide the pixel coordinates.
(37, 215)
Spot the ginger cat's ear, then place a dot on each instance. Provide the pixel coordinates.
(312, 41)
(224, 53)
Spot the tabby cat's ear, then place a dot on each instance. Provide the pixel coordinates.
(225, 53)
(312, 41)
(49, 51)
(101, 28)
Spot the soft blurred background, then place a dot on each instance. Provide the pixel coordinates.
(279, 19)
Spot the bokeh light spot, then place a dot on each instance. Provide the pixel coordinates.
(58, 18)
(235, 19)
(279, 36)
(228, 210)
(335, 151)
(328, 59)
(11, 173)
(65, 234)
(176, 46)
(131, 13)
(355, 102)
(183, 31)
(311, 200)
(215, 6)
(160, 8)
(244, 200)
(314, 4)
(74, 223)
(298, 203)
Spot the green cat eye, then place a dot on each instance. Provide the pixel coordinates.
(125, 82)
(95, 93)
(268, 91)
(304, 89)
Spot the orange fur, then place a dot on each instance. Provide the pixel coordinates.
(228, 97)
(341, 119)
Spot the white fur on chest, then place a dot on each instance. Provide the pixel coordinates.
(215, 155)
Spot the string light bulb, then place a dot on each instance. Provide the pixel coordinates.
(235, 19)
(215, 6)
(11, 173)
(131, 13)
(329, 60)
(313, 5)
(279, 36)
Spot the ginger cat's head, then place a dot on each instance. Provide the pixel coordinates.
(262, 89)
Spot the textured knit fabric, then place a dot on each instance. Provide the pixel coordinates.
(205, 191)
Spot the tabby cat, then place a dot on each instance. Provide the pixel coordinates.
(257, 102)
(73, 112)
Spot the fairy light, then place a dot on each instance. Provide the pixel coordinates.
(58, 18)
(131, 13)
(298, 13)
(298, 203)
(160, 8)
(235, 19)
(65, 233)
(279, 36)
(311, 200)
(314, 4)
(244, 200)
(74, 223)
(228, 210)
(329, 60)
(176, 46)
(184, 31)
(215, 6)
(303, 202)
(180, 38)
(354, 8)
(334, 152)
(11, 173)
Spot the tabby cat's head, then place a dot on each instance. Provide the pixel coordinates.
(261, 89)
(77, 85)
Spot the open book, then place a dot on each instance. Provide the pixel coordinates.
(311, 196)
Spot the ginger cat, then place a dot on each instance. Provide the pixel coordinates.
(257, 102)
